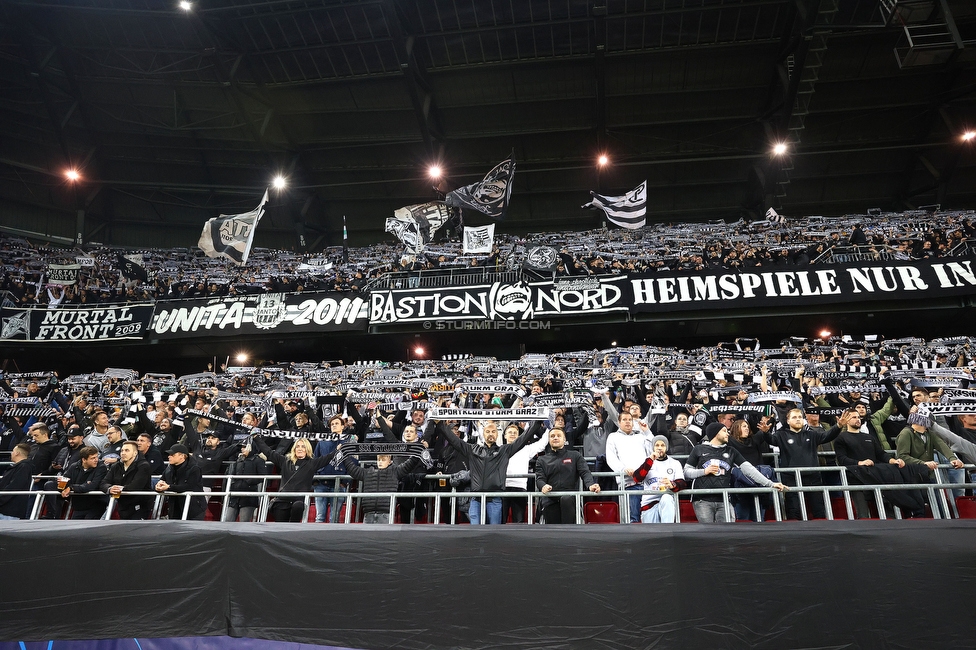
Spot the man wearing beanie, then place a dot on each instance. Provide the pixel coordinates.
(916, 445)
(663, 475)
(709, 467)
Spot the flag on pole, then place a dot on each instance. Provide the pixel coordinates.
(489, 196)
(478, 239)
(231, 235)
(345, 241)
(132, 267)
(627, 211)
(415, 225)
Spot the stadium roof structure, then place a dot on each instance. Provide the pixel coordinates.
(171, 113)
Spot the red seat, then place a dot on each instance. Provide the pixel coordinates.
(601, 512)
(687, 512)
(966, 507)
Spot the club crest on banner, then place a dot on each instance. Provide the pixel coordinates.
(511, 301)
(233, 230)
(270, 311)
(16, 325)
(542, 257)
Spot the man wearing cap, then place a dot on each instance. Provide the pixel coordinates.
(709, 466)
(66, 458)
(663, 477)
(183, 475)
(130, 474)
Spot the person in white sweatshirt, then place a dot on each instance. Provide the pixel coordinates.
(519, 464)
(627, 449)
(664, 476)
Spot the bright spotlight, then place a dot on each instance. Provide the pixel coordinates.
(825, 334)
(185, 5)
(968, 136)
(603, 160)
(280, 182)
(419, 351)
(613, 344)
(434, 171)
(72, 175)
(779, 148)
(241, 357)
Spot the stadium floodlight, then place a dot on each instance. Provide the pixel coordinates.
(968, 136)
(779, 148)
(603, 160)
(185, 5)
(279, 182)
(435, 171)
(72, 175)
(825, 334)
(419, 351)
(241, 357)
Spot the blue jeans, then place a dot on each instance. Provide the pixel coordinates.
(662, 512)
(333, 504)
(4, 517)
(635, 499)
(494, 507)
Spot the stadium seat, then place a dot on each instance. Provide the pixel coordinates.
(966, 507)
(687, 512)
(601, 512)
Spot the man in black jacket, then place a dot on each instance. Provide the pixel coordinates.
(798, 445)
(561, 470)
(487, 465)
(84, 477)
(383, 478)
(17, 478)
(151, 454)
(130, 474)
(183, 475)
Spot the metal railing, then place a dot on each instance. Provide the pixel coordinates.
(941, 506)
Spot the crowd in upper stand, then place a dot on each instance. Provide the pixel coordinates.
(895, 411)
(186, 273)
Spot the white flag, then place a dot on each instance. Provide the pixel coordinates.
(774, 217)
(627, 211)
(230, 235)
(479, 239)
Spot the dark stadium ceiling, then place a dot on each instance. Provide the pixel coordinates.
(172, 116)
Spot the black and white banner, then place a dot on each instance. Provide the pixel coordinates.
(500, 301)
(415, 225)
(489, 196)
(269, 312)
(507, 415)
(63, 274)
(627, 211)
(803, 285)
(231, 235)
(478, 240)
(90, 324)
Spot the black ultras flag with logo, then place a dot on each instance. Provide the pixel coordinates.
(489, 196)
(415, 225)
(130, 268)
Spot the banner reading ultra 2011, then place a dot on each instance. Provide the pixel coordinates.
(802, 285)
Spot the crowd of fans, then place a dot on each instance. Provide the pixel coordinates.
(186, 273)
(645, 419)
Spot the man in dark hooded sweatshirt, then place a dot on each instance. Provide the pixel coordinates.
(560, 470)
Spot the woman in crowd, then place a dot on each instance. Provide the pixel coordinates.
(752, 446)
(298, 469)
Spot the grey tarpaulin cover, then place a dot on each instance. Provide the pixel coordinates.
(896, 584)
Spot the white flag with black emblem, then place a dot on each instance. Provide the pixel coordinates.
(231, 235)
(415, 225)
(479, 240)
(627, 211)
